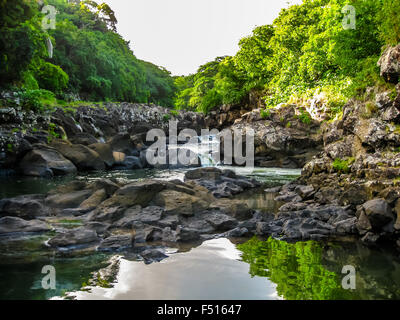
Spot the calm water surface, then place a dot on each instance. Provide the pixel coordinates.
(217, 269)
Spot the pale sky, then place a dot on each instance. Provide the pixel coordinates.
(181, 35)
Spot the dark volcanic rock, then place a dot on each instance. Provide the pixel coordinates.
(27, 207)
(10, 225)
(75, 237)
(116, 243)
(44, 161)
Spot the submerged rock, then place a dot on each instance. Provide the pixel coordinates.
(75, 237)
(11, 225)
(44, 161)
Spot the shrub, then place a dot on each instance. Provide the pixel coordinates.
(343, 166)
(265, 114)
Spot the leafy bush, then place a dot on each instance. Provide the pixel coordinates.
(265, 114)
(343, 166)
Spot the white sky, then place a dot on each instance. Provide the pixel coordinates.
(181, 35)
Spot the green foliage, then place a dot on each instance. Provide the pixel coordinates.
(265, 114)
(305, 117)
(90, 59)
(305, 52)
(297, 269)
(343, 166)
(390, 21)
(52, 78)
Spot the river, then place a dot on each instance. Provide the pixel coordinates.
(261, 269)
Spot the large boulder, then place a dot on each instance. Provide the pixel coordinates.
(74, 237)
(390, 64)
(83, 157)
(116, 243)
(68, 200)
(45, 161)
(220, 221)
(27, 207)
(180, 203)
(137, 193)
(9, 225)
(83, 138)
(378, 212)
(105, 152)
(94, 200)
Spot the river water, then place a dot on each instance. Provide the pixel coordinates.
(217, 269)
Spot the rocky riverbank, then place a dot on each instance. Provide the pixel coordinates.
(352, 186)
(98, 137)
(107, 215)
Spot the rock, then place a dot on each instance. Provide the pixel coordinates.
(346, 227)
(370, 238)
(234, 208)
(378, 212)
(44, 161)
(397, 211)
(304, 191)
(221, 222)
(130, 163)
(153, 255)
(389, 64)
(187, 234)
(391, 195)
(119, 157)
(116, 243)
(9, 225)
(74, 237)
(105, 153)
(179, 203)
(82, 157)
(83, 138)
(100, 227)
(122, 143)
(69, 200)
(237, 233)
(109, 186)
(94, 200)
(137, 193)
(391, 114)
(76, 185)
(204, 173)
(273, 190)
(149, 215)
(26, 207)
(288, 197)
(171, 221)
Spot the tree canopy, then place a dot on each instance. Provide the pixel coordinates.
(90, 58)
(306, 50)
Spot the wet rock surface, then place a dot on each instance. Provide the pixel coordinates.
(109, 216)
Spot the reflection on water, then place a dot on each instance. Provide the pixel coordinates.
(185, 276)
(260, 200)
(21, 280)
(12, 186)
(312, 270)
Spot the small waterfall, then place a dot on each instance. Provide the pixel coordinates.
(205, 149)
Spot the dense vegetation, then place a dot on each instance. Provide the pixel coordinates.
(91, 61)
(304, 53)
(297, 269)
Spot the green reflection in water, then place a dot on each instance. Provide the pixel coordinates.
(313, 270)
(296, 269)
